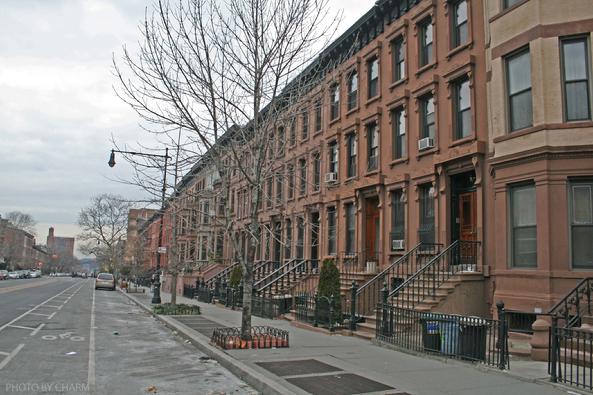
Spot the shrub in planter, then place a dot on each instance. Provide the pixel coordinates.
(176, 309)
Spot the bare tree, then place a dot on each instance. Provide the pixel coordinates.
(23, 221)
(104, 223)
(230, 76)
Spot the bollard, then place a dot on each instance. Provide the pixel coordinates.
(353, 306)
(502, 335)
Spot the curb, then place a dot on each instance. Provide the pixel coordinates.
(257, 380)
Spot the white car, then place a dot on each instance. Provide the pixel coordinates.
(35, 274)
(13, 275)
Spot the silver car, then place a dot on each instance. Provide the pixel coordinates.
(105, 280)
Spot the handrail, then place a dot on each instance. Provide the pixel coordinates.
(221, 274)
(562, 309)
(438, 274)
(281, 268)
(292, 270)
(368, 295)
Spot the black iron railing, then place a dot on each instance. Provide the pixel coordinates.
(368, 295)
(453, 336)
(269, 307)
(222, 275)
(188, 291)
(571, 356)
(319, 311)
(284, 278)
(575, 304)
(458, 257)
(521, 321)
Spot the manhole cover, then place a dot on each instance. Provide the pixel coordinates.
(339, 384)
(297, 368)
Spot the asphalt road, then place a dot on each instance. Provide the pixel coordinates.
(63, 337)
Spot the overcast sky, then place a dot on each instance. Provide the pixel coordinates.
(57, 106)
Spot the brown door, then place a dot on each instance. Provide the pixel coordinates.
(371, 230)
(467, 216)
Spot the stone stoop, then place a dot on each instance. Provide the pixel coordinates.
(520, 344)
(360, 278)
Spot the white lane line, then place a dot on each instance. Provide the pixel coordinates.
(27, 312)
(22, 327)
(91, 373)
(11, 355)
(36, 331)
(52, 306)
(43, 315)
(51, 315)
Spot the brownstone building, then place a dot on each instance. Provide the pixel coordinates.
(448, 122)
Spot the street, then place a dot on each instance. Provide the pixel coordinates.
(61, 336)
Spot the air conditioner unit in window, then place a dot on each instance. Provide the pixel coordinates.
(398, 244)
(331, 178)
(425, 143)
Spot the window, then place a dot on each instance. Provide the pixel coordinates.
(462, 109)
(292, 132)
(290, 181)
(581, 232)
(305, 124)
(460, 26)
(302, 177)
(350, 228)
(300, 238)
(281, 142)
(288, 242)
(509, 3)
(335, 101)
(426, 230)
(398, 52)
(519, 90)
(316, 171)
(352, 90)
(351, 151)
(523, 226)
(219, 244)
(279, 189)
(425, 42)
(398, 123)
(331, 231)
(333, 157)
(205, 213)
(203, 248)
(398, 220)
(577, 97)
(427, 119)
(372, 146)
(318, 118)
(269, 187)
(373, 77)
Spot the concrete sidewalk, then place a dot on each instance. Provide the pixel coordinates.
(348, 356)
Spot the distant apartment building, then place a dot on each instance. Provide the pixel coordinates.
(61, 248)
(134, 247)
(18, 249)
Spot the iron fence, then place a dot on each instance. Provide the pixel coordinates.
(571, 356)
(204, 293)
(319, 311)
(270, 307)
(520, 321)
(260, 337)
(188, 291)
(453, 336)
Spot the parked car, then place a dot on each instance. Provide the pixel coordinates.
(35, 274)
(105, 280)
(3, 274)
(13, 275)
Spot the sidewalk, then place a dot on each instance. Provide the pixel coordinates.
(348, 356)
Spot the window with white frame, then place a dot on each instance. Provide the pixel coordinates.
(581, 223)
(577, 86)
(518, 69)
(523, 232)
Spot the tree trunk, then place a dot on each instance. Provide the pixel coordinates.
(247, 292)
(174, 289)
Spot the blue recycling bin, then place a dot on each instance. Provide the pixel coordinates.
(431, 337)
(449, 336)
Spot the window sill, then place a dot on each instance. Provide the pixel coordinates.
(507, 10)
(426, 67)
(316, 192)
(317, 132)
(333, 121)
(398, 83)
(519, 133)
(426, 152)
(399, 161)
(352, 110)
(372, 100)
(305, 139)
(302, 196)
(371, 172)
(350, 179)
(462, 141)
(332, 185)
(458, 49)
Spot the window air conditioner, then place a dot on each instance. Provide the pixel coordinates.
(397, 244)
(425, 143)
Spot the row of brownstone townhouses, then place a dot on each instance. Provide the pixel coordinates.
(460, 123)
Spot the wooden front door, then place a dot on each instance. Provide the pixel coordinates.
(467, 216)
(372, 230)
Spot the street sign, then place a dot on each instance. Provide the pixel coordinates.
(162, 250)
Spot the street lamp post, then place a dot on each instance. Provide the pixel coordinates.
(156, 296)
